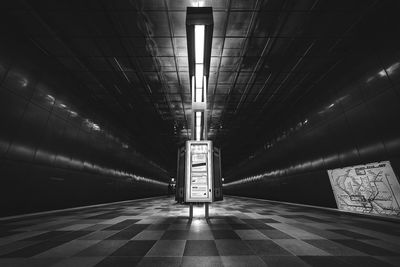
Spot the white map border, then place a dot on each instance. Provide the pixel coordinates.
(370, 197)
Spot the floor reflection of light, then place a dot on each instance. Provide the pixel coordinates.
(198, 211)
(196, 222)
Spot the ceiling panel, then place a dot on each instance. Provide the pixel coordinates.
(265, 55)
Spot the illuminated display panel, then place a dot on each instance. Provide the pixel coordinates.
(198, 171)
(372, 188)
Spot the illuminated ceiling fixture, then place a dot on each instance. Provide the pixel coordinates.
(199, 61)
(198, 125)
(199, 30)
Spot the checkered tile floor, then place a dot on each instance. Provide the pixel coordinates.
(240, 232)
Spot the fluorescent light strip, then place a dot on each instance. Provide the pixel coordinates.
(198, 125)
(199, 35)
(205, 88)
(199, 43)
(193, 88)
(199, 75)
(199, 94)
(199, 82)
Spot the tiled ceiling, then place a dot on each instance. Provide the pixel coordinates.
(131, 57)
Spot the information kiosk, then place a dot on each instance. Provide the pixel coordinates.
(199, 180)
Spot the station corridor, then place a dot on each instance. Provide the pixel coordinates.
(240, 232)
(117, 117)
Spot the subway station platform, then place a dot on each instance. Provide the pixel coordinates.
(157, 232)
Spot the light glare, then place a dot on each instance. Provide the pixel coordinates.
(199, 43)
(198, 125)
(199, 93)
(199, 75)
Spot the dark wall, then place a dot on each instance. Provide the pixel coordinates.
(352, 116)
(56, 150)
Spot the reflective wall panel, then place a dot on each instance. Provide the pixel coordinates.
(351, 117)
(56, 149)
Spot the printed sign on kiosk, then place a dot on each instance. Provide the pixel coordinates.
(199, 171)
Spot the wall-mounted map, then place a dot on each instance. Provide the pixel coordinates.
(371, 188)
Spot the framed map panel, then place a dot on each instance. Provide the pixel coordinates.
(372, 188)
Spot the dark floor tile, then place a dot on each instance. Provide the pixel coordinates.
(8, 233)
(158, 227)
(364, 261)
(121, 225)
(103, 248)
(266, 247)
(251, 221)
(119, 262)
(217, 220)
(262, 226)
(241, 226)
(124, 235)
(243, 261)
(4, 228)
(47, 235)
(392, 227)
(29, 262)
(276, 234)
(232, 248)
(200, 248)
(181, 220)
(366, 248)
(351, 234)
(175, 235)
(284, 261)
(14, 246)
(98, 235)
(33, 249)
(134, 248)
(160, 262)
(314, 219)
(137, 227)
(168, 220)
(333, 248)
(258, 224)
(202, 261)
(221, 226)
(225, 234)
(324, 261)
(71, 236)
(167, 248)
